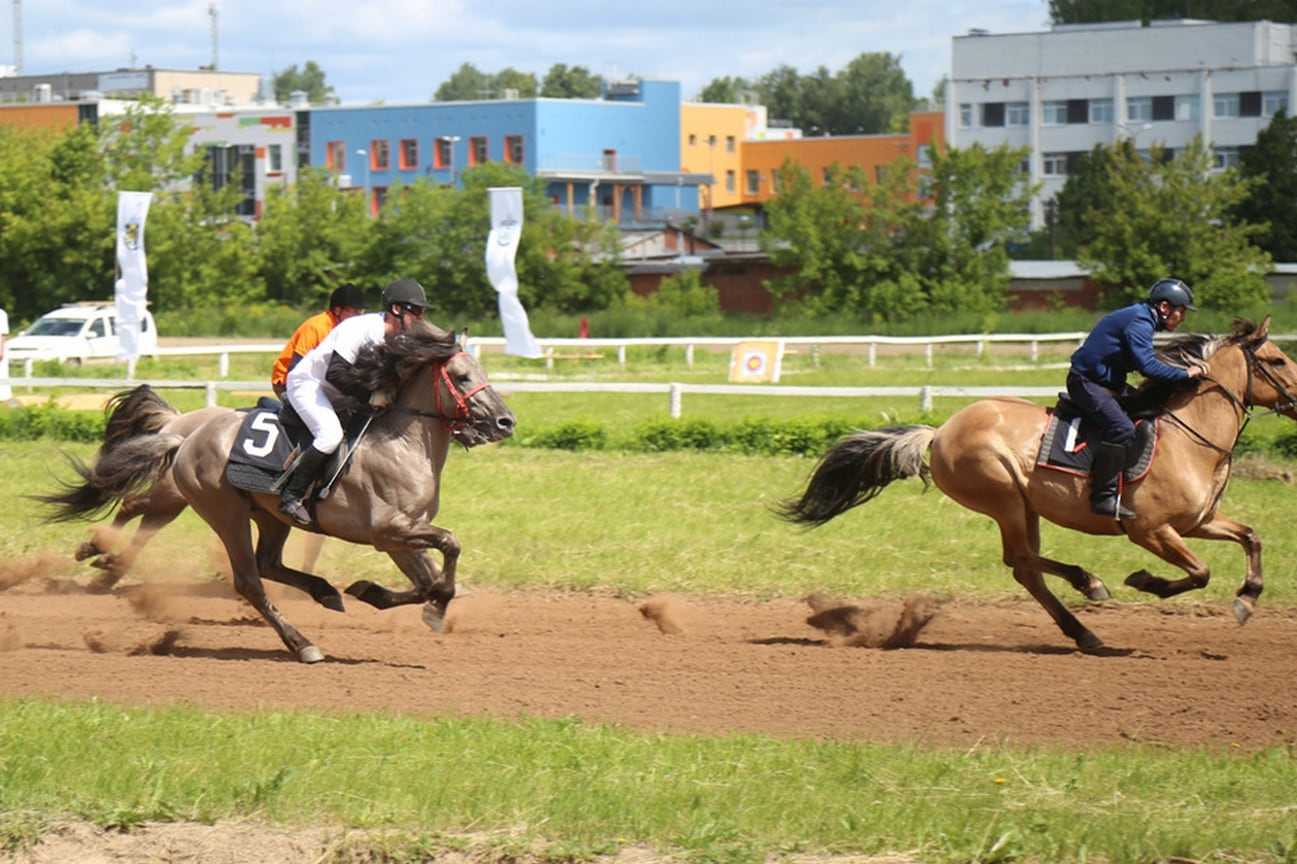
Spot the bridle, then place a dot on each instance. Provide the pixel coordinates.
(1246, 404)
(462, 415)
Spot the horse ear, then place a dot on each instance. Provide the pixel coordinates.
(1261, 331)
(463, 338)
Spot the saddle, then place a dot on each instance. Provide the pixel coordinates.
(1071, 439)
(270, 443)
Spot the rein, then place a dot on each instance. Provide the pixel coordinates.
(462, 415)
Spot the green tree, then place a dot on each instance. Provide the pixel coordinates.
(310, 80)
(1271, 202)
(1174, 219)
(1088, 11)
(510, 79)
(576, 82)
(870, 96)
(308, 239)
(725, 91)
(980, 207)
(1088, 190)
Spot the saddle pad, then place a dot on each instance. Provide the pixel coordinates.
(264, 448)
(1070, 441)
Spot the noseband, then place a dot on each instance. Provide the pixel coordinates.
(462, 415)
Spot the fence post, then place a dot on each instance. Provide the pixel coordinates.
(676, 394)
(815, 354)
(621, 357)
(689, 356)
(1034, 350)
(871, 353)
(130, 368)
(927, 354)
(210, 387)
(925, 398)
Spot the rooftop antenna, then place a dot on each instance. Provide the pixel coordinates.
(18, 37)
(212, 11)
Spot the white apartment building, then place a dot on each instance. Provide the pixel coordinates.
(1062, 91)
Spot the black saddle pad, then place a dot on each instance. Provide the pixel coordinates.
(266, 445)
(1071, 439)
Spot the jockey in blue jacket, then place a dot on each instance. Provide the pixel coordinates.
(1122, 342)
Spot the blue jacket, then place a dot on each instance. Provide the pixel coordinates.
(1120, 343)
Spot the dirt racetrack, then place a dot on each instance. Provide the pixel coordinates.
(989, 672)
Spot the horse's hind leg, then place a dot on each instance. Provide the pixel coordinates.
(1021, 544)
(158, 511)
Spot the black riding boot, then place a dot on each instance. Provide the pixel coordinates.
(292, 501)
(1105, 497)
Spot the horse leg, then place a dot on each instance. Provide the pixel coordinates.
(158, 512)
(1020, 538)
(433, 586)
(271, 535)
(1167, 544)
(311, 550)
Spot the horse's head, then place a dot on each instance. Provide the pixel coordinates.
(477, 414)
(1272, 374)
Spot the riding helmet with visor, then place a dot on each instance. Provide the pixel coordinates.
(1173, 291)
(405, 293)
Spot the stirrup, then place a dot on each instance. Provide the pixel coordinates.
(1111, 507)
(293, 509)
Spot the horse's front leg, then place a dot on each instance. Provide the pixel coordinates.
(433, 585)
(1221, 527)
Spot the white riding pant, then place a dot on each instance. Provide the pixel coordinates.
(312, 404)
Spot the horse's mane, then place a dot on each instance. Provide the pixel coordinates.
(387, 364)
(1183, 351)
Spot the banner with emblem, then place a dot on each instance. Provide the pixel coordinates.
(501, 250)
(132, 288)
(756, 362)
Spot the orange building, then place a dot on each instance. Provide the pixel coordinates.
(761, 160)
(55, 116)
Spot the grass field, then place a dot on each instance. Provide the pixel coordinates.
(635, 525)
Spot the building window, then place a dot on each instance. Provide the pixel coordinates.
(1186, 107)
(409, 155)
(729, 180)
(275, 159)
(380, 155)
(693, 139)
(513, 152)
(379, 199)
(925, 156)
(1018, 114)
(729, 143)
(774, 182)
(1224, 158)
(754, 181)
(1054, 164)
(1139, 109)
(828, 175)
(1053, 113)
(1101, 111)
(1274, 101)
(1249, 104)
(992, 113)
(443, 155)
(965, 115)
(335, 156)
(477, 151)
(1225, 105)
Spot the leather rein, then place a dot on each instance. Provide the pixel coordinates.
(1246, 404)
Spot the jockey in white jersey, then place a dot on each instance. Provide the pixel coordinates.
(311, 391)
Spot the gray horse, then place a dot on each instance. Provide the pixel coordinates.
(386, 498)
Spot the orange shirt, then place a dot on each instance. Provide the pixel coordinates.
(311, 332)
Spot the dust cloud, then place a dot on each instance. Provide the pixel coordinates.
(880, 624)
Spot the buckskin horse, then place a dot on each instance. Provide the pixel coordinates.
(984, 457)
(386, 498)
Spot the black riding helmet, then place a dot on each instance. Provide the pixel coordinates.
(405, 293)
(1173, 291)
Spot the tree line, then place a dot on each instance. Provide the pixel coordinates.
(885, 247)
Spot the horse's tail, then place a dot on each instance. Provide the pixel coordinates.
(131, 458)
(856, 469)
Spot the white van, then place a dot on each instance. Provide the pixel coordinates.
(77, 332)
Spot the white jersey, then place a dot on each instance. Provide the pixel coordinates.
(308, 391)
(345, 340)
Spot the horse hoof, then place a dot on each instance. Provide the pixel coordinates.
(434, 615)
(332, 601)
(1139, 580)
(1242, 610)
(310, 654)
(1087, 641)
(1099, 593)
(85, 550)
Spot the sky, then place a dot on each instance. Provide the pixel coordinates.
(400, 51)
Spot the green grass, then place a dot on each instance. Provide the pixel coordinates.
(588, 789)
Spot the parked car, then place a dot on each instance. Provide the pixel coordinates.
(77, 332)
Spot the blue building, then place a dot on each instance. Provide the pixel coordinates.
(620, 153)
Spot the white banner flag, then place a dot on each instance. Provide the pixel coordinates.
(132, 288)
(501, 248)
